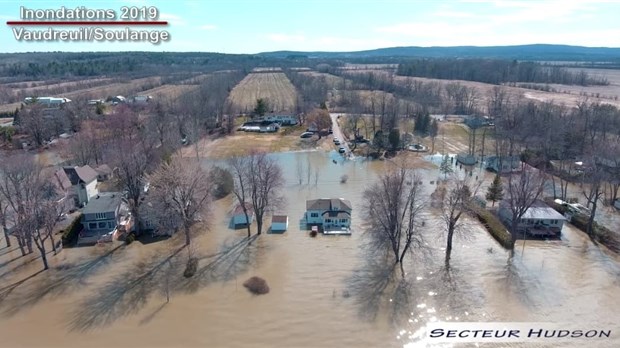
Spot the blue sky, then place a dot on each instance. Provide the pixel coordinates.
(236, 26)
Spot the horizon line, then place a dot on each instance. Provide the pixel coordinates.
(87, 23)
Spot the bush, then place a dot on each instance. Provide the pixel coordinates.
(256, 285)
(313, 234)
(131, 237)
(71, 233)
(494, 226)
(191, 268)
(222, 182)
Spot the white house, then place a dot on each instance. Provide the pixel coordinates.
(84, 183)
(279, 223)
(239, 219)
(289, 120)
(331, 213)
(540, 220)
(49, 102)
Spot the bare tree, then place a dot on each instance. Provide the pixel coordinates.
(320, 119)
(240, 169)
(34, 123)
(592, 184)
(393, 206)
(266, 182)
(132, 161)
(20, 185)
(523, 190)
(455, 203)
(4, 209)
(258, 181)
(181, 188)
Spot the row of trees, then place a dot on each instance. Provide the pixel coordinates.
(495, 71)
(30, 205)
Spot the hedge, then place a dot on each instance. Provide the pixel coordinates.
(494, 226)
(70, 234)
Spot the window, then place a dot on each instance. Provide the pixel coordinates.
(100, 216)
(343, 220)
(102, 225)
(92, 225)
(555, 222)
(314, 214)
(328, 220)
(110, 225)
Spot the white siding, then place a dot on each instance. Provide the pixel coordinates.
(91, 189)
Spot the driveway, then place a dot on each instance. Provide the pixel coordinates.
(337, 133)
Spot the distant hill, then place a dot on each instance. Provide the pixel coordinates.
(522, 52)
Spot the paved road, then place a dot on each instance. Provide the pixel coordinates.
(337, 133)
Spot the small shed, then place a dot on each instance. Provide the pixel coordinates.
(239, 219)
(279, 223)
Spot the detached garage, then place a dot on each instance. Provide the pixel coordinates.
(279, 223)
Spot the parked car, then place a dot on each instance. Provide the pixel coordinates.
(342, 150)
(336, 142)
(306, 135)
(331, 131)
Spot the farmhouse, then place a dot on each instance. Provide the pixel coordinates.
(508, 163)
(260, 126)
(104, 218)
(285, 120)
(331, 213)
(119, 99)
(540, 220)
(239, 219)
(84, 183)
(141, 99)
(48, 102)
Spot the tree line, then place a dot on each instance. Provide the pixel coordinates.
(495, 71)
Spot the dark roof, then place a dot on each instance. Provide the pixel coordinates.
(78, 175)
(62, 180)
(279, 218)
(103, 202)
(239, 209)
(327, 204)
(337, 214)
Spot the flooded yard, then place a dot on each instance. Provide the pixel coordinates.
(325, 291)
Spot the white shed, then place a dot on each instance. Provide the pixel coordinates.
(279, 223)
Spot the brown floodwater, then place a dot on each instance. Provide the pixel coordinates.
(324, 291)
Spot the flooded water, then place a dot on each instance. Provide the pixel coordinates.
(324, 291)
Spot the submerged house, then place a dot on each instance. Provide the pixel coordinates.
(330, 213)
(540, 220)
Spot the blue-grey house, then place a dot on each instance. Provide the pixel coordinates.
(103, 217)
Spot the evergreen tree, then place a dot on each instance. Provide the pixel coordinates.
(262, 106)
(496, 191)
(446, 166)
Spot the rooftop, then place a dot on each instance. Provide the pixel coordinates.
(279, 218)
(103, 202)
(84, 174)
(328, 204)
